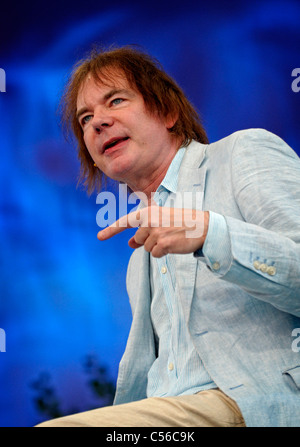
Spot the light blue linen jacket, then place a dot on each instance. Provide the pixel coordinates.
(242, 317)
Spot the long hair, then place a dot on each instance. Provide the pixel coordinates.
(160, 92)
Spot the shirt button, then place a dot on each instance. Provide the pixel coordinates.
(256, 264)
(164, 269)
(216, 266)
(271, 270)
(263, 268)
(170, 366)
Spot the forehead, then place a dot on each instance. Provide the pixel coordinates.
(101, 83)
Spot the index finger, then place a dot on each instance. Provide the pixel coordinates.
(130, 220)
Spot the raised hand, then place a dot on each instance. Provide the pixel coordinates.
(163, 230)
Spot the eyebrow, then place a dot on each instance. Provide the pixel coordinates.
(108, 95)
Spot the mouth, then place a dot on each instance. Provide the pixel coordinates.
(114, 142)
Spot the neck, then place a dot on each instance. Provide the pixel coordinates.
(149, 182)
(148, 186)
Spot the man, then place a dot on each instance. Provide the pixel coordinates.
(214, 286)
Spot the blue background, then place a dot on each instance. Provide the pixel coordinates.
(62, 292)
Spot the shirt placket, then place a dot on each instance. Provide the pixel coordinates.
(168, 288)
(164, 266)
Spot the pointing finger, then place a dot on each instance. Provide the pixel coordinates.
(130, 220)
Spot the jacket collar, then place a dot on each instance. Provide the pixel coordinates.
(190, 178)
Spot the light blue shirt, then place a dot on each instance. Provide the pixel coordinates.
(178, 369)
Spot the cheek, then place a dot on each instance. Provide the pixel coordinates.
(85, 140)
(88, 141)
(85, 136)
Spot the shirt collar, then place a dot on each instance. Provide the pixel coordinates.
(170, 180)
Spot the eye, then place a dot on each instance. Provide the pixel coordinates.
(117, 101)
(85, 119)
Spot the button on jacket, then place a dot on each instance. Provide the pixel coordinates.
(244, 307)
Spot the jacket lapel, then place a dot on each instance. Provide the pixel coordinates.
(191, 185)
(140, 353)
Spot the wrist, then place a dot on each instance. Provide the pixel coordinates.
(205, 225)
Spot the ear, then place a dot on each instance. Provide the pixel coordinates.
(171, 119)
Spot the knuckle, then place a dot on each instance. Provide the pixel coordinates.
(164, 243)
(156, 232)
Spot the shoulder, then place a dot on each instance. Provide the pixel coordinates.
(251, 142)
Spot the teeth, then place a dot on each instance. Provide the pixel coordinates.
(113, 143)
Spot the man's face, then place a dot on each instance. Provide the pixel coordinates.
(125, 141)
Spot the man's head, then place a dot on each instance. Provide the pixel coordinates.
(161, 95)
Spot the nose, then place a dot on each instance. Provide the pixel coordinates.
(101, 120)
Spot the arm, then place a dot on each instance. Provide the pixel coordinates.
(262, 253)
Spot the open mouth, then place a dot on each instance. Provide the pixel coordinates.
(114, 142)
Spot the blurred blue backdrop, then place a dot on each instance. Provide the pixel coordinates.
(62, 292)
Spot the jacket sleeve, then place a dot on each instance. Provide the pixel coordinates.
(261, 253)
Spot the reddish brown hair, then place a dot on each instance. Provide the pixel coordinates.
(143, 73)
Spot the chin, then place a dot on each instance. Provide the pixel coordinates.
(119, 173)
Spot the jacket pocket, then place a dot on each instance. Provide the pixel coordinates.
(294, 373)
